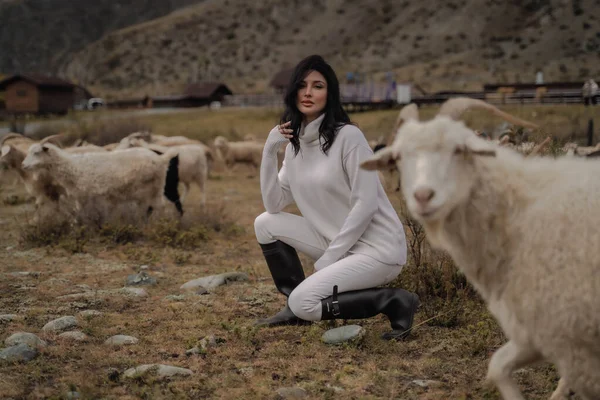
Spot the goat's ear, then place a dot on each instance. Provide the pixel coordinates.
(383, 159)
(5, 150)
(45, 147)
(477, 146)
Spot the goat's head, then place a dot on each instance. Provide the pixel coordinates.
(39, 155)
(436, 159)
(10, 156)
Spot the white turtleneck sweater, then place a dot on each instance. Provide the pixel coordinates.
(347, 205)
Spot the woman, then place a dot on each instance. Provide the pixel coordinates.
(348, 225)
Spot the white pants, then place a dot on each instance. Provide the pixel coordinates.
(353, 272)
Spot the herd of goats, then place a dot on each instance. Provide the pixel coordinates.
(521, 226)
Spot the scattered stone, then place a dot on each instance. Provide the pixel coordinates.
(161, 370)
(78, 305)
(344, 334)
(33, 274)
(200, 291)
(336, 389)
(60, 324)
(56, 282)
(213, 281)
(7, 318)
(135, 292)
(76, 336)
(291, 393)
(81, 288)
(202, 347)
(9, 248)
(18, 353)
(120, 340)
(246, 371)
(144, 268)
(175, 297)
(73, 395)
(140, 279)
(90, 313)
(24, 338)
(427, 383)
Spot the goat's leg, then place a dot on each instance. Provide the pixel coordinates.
(202, 185)
(186, 189)
(562, 391)
(505, 360)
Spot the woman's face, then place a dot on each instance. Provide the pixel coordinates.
(312, 96)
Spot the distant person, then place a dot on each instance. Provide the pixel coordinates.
(348, 225)
(589, 92)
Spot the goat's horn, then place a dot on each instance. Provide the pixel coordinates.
(455, 107)
(50, 139)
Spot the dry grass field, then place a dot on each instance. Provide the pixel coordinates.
(52, 270)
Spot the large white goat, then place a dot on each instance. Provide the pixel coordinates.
(523, 230)
(134, 175)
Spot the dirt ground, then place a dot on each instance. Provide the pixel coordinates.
(444, 358)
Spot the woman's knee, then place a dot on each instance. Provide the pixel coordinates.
(262, 225)
(304, 306)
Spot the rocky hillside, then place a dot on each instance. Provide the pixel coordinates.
(41, 35)
(455, 44)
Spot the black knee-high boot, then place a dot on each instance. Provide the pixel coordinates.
(397, 304)
(286, 269)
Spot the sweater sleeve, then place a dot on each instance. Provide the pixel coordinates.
(274, 186)
(363, 202)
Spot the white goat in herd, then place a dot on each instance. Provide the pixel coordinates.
(524, 231)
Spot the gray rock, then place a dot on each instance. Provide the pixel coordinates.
(120, 340)
(427, 383)
(144, 267)
(200, 291)
(60, 324)
(90, 313)
(205, 344)
(25, 338)
(73, 395)
(344, 334)
(161, 370)
(291, 393)
(140, 279)
(175, 297)
(133, 292)
(18, 353)
(7, 318)
(24, 274)
(336, 389)
(213, 281)
(76, 336)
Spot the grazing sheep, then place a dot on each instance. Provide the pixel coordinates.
(39, 184)
(137, 175)
(238, 152)
(170, 141)
(524, 231)
(193, 163)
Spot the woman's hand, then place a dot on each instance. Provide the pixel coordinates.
(285, 130)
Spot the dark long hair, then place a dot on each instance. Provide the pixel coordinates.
(335, 115)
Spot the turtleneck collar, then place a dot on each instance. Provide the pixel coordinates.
(309, 134)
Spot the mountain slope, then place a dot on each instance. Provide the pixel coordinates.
(39, 35)
(456, 44)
